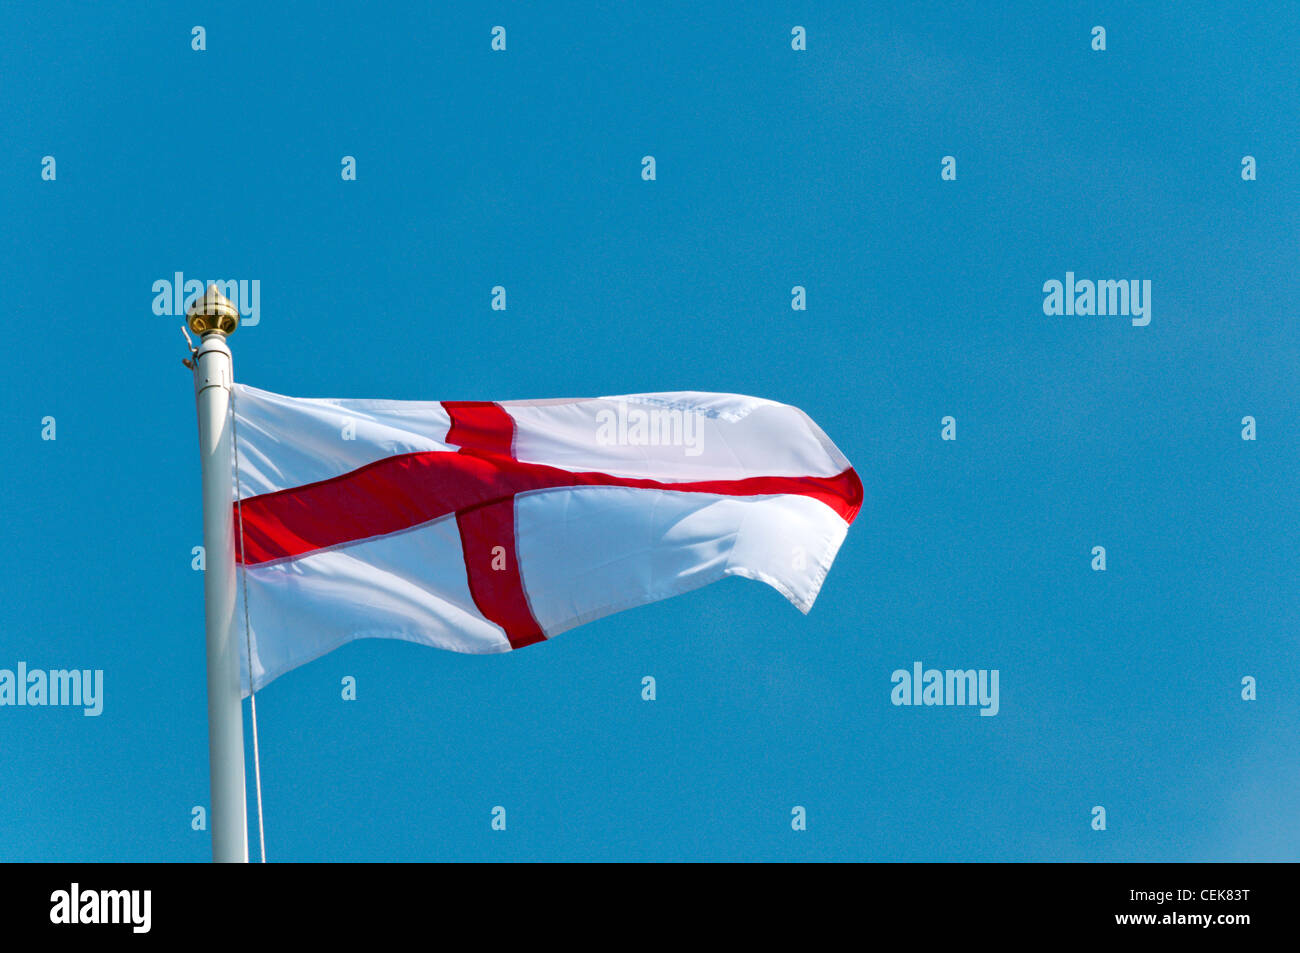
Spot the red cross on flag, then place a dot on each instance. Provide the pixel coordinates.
(484, 527)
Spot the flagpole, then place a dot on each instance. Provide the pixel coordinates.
(214, 318)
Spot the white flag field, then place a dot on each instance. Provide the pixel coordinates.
(483, 527)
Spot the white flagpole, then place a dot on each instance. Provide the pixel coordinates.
(214, 317)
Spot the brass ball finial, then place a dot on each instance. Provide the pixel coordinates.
(213, 312)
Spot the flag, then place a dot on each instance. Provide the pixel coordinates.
(485, 527)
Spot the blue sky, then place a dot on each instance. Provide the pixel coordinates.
(775, 168)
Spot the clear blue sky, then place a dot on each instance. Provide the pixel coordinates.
(775, 168)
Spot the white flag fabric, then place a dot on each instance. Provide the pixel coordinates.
(483, 527)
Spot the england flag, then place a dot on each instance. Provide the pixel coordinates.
(484, 527)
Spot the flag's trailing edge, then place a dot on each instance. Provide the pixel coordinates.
(483, 527)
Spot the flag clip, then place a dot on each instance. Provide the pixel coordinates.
(189, 342)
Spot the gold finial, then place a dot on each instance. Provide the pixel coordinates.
(213, 312)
